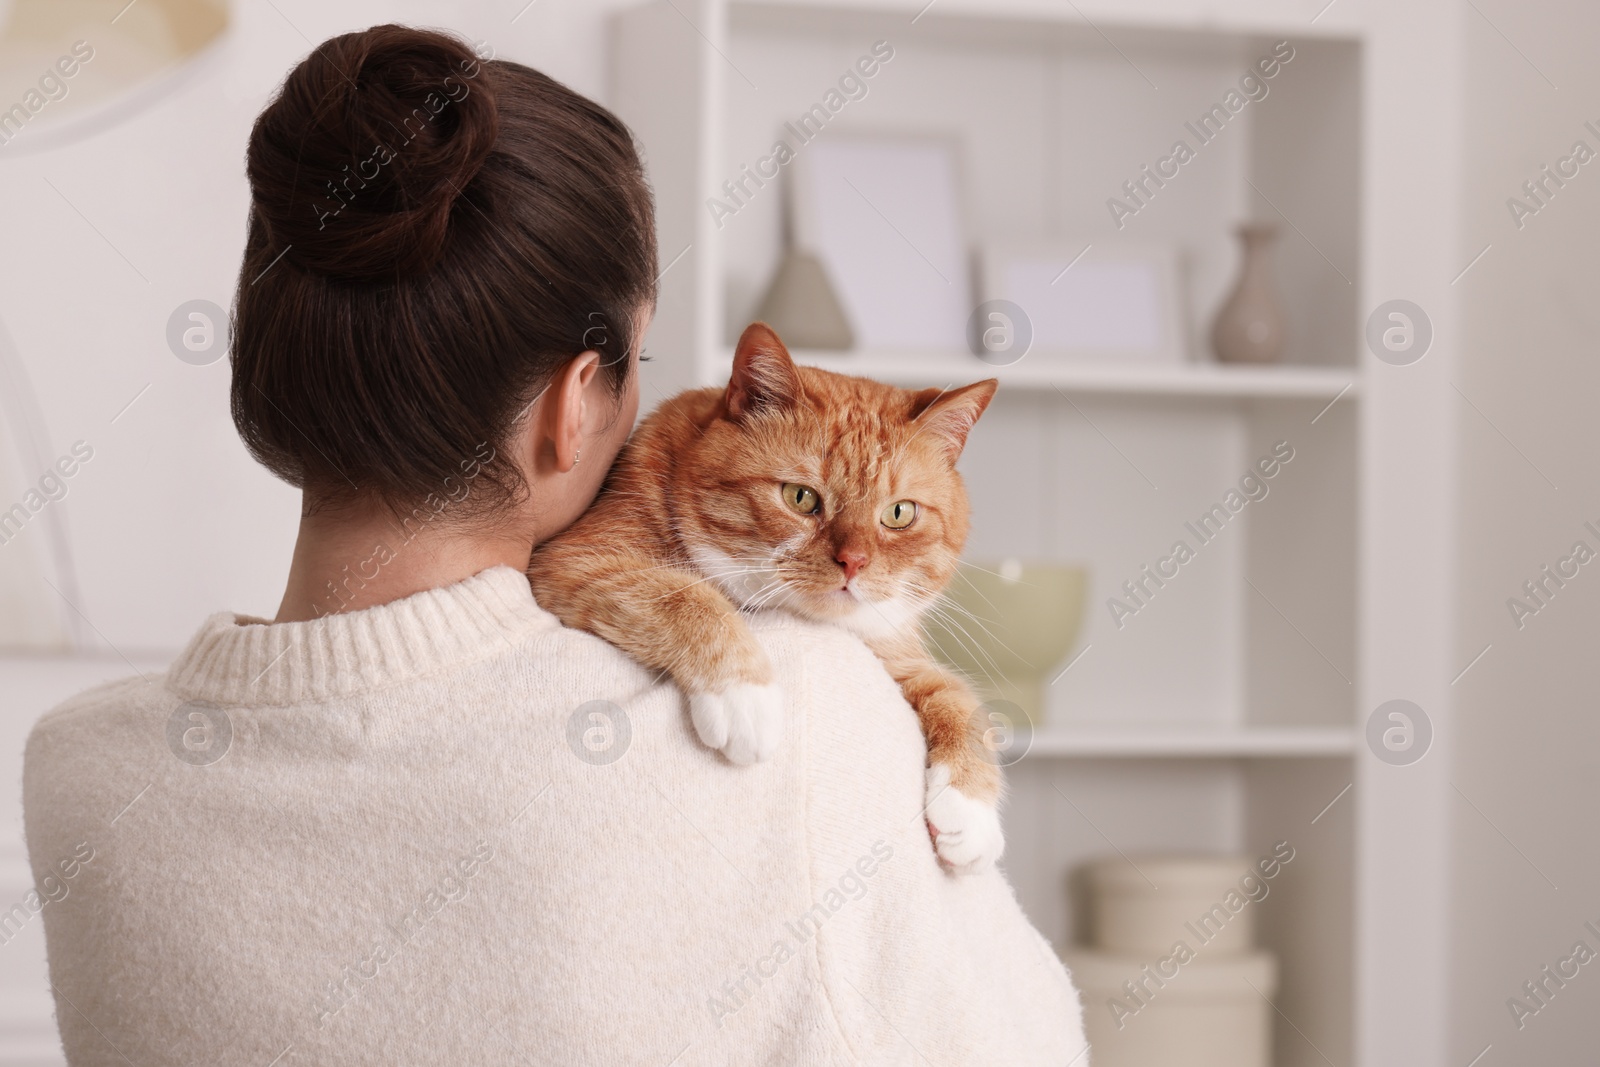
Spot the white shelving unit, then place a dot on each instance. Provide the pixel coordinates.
(1228, 713)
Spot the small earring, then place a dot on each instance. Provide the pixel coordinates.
(576, 452)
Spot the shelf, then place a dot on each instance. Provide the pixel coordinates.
(1193, 742)
(921, 369)
(1028, 22)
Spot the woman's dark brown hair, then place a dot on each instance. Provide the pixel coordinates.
(432, 235)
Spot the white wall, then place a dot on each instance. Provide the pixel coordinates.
(1527, 744)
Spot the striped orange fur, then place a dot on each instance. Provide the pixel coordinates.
(692, 528)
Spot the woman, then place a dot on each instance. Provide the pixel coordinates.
(413, 819)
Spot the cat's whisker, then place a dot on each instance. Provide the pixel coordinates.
(943, 609)
(974, 587)
(688, 566)
(982, 658)
(764, 590)
(965, 639)
(986, 681)
(986, 662)
(682, 588)
(886, 620)
(777, 586)
(779, 597)
(997, 574)
(945, 600)
(947, 605)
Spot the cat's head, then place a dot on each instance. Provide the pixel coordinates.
(831, 497)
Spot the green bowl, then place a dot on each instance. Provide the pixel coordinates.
(1008, 626)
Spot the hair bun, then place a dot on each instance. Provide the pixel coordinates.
(355, 166)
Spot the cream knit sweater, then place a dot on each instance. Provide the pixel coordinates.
(399, 836)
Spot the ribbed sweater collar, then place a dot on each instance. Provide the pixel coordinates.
(241, 660)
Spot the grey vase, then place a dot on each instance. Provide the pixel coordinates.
(802, 306)
(1250, 327)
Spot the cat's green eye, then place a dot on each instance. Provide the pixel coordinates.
(899, 515)
(801, 498)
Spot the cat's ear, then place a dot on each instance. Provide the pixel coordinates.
(951, 413)
(764, 377)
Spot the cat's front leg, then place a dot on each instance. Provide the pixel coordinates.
(964, 785)
(700, 639)
(743, 720)
(671, 619)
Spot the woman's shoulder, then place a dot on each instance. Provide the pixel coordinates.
(87, 760)
(845, 698)
(827, 660)
(96, 715)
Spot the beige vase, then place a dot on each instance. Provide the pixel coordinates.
(802, 306)
(1250, 326)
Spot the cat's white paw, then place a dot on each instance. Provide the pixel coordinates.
(744, 722)
(966, 832)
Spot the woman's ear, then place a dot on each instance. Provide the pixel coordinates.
(566, 403)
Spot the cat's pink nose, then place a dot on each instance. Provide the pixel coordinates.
(852, 562)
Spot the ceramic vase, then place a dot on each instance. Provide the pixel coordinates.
(802, 306)
(1250, 326)
(801, 302)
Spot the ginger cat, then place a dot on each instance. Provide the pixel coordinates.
(830, 497)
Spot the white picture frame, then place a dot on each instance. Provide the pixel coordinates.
(883, 211)
(1093, 302)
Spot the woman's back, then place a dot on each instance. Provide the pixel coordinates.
(399, 836)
